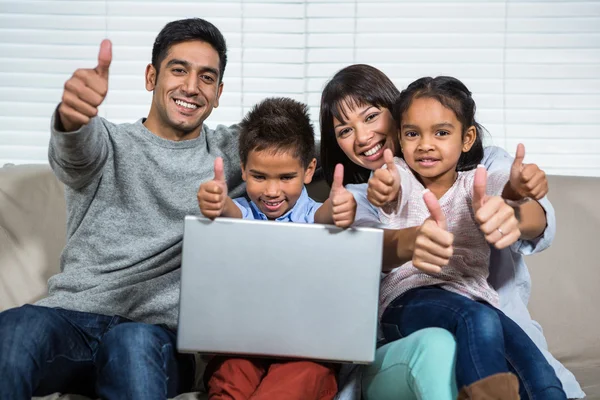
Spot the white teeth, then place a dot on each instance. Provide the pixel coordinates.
(186, 105)
(374, 150)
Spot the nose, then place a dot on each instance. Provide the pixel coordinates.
(425, 143)
(363, 136)
(190, 85)
(272, 188)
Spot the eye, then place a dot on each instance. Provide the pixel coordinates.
(343, 132)
(207, 78)
(411, 134)
(287, 178)
(442, 133)
(258, 177)
(370, 117)
(178, 71)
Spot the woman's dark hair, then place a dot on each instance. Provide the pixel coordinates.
(454, 95)
(356, 85)
(184, 30)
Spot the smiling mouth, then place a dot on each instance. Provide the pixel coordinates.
(272, 205)
(373, 150)
(427, 161)
(185, 104)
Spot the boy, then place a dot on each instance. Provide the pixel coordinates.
(277, 160)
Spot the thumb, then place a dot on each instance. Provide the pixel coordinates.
(519, 156)
(338, 177)
(219, 174)
(388, 157)
(479, 186)
(433, 205)
(104, 58)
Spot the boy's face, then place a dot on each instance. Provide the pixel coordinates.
(274, 180)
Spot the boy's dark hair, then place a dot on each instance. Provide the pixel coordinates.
(184, 30)
(454, 95)
(358, 84)
(278, 124)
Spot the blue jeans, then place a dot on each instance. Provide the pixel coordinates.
(488, 342)
(46, 350)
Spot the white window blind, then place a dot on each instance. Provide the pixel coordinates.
(534, 66)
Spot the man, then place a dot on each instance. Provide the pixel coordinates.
(107, 328)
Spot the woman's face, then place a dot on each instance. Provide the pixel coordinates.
(368, 131)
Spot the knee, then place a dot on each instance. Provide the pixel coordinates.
(483, 320)
(132, 341)
(21, 329)
(434, 344)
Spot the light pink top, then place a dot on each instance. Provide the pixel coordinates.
(467, 271)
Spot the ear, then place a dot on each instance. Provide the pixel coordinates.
(310, 171)
(469, 138)
(244, 175)
(219, 91)
(150, 77)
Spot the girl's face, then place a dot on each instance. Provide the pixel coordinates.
(368, 131)
(431, 140)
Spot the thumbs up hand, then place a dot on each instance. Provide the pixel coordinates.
(212, 195)
(342, 201)
(526, 180)
(384, 185)
(496, 219)
(433, 244)
(85, 91)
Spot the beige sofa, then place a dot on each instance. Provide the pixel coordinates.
(566, 277)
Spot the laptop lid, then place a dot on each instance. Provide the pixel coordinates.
(263, 288)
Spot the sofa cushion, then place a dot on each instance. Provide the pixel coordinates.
(32, 232)
(565, 279)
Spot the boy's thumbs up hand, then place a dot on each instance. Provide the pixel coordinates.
(342, 201)
(212, 194)
(526, 180)
(384, 185)
(85, 91)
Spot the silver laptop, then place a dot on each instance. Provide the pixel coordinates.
(262, 288)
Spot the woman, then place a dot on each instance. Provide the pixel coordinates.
(356, 127)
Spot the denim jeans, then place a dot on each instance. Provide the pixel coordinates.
(488, 342)
(46, 350)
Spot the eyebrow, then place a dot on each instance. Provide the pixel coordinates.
(440, 125)
(256, 172)
(363, 112)
(187, 64)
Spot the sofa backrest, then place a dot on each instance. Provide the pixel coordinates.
(32, 232)
(565, 297)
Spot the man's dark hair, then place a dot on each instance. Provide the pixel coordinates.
(184, 30)
(278, 124)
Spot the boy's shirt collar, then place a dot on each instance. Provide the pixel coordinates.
(297, 212)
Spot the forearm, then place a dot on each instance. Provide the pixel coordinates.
(324, 214)
(77, 157)
(398, 246)
(231, 210)
(532, 220)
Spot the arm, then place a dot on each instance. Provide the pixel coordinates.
(79, 142)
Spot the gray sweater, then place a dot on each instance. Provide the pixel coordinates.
(127, 192)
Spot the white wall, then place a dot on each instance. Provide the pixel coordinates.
(534, 66)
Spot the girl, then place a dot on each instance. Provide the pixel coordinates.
(440, 147)
(360, 97)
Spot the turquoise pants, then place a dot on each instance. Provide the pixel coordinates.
(417, 367)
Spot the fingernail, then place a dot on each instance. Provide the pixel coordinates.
(425, 191)
(481, 166)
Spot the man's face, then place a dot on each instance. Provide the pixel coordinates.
(274, 180)
(186, 89)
